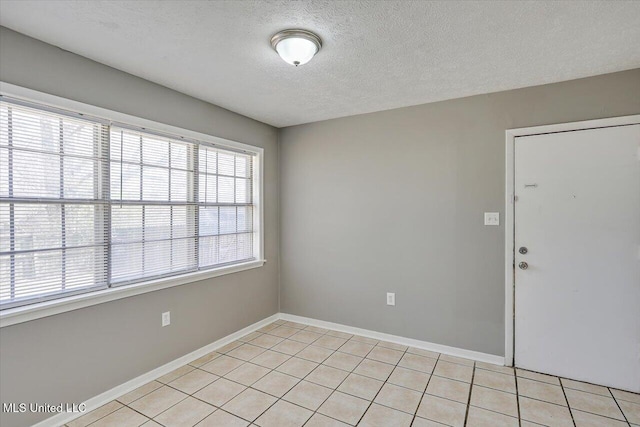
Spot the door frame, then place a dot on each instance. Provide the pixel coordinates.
(509, 220)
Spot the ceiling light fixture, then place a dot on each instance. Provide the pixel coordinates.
(296, 47)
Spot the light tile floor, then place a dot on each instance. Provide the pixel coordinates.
(289, 374)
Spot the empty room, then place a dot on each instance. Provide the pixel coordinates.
(319, 213)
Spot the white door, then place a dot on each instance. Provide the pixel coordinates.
(577, 213)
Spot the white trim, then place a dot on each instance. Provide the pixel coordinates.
(258, 198)
(106, 397)
(511, 135)
(509, 223)
(109, 395)
(38, 310)
(425, 345)
(26, 94)
(29, 312)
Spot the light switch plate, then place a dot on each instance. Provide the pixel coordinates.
(166, 318)
(391, 298)
(492, 218)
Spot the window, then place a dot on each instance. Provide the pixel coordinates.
(88, 204)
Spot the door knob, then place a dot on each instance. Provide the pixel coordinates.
(523, 265)
(523, 250)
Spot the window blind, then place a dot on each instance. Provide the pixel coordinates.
(53, 237)
(153, 229)
(225, 207)
(87, 204)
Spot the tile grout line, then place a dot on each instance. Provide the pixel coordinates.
(146, 416)
(515, 377)
(599, 415)
(618, 405)
(110, 413)
(415, 415)
(246, 388)
(571, 409)
(383, 383)
(466, 414)
(219, 376)
(304, 378)
(493, 411)
(345, 378)
(339, 335)
(405, 352)
(338, 350)
(274, 369)
(494, 389)
(250, 386)
(560, 380)
(169, 407)
(332, 390)
(300, 379)
(374, 360)
(567, 400)
(365, 357)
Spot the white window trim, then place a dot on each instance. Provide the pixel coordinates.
(34, 311)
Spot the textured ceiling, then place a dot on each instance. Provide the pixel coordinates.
(377, 55)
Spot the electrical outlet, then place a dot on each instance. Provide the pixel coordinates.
(166, 319)
(391, 298)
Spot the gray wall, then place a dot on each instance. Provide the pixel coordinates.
(74, 356)
(394, 201)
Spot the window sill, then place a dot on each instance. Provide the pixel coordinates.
(26, 313)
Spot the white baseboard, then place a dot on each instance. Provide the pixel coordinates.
(425, 345)
(114, 393)
(108, 396)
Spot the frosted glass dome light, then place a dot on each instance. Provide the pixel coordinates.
(296, 47)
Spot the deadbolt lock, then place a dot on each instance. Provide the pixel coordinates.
(523, 250)
(523, 265)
